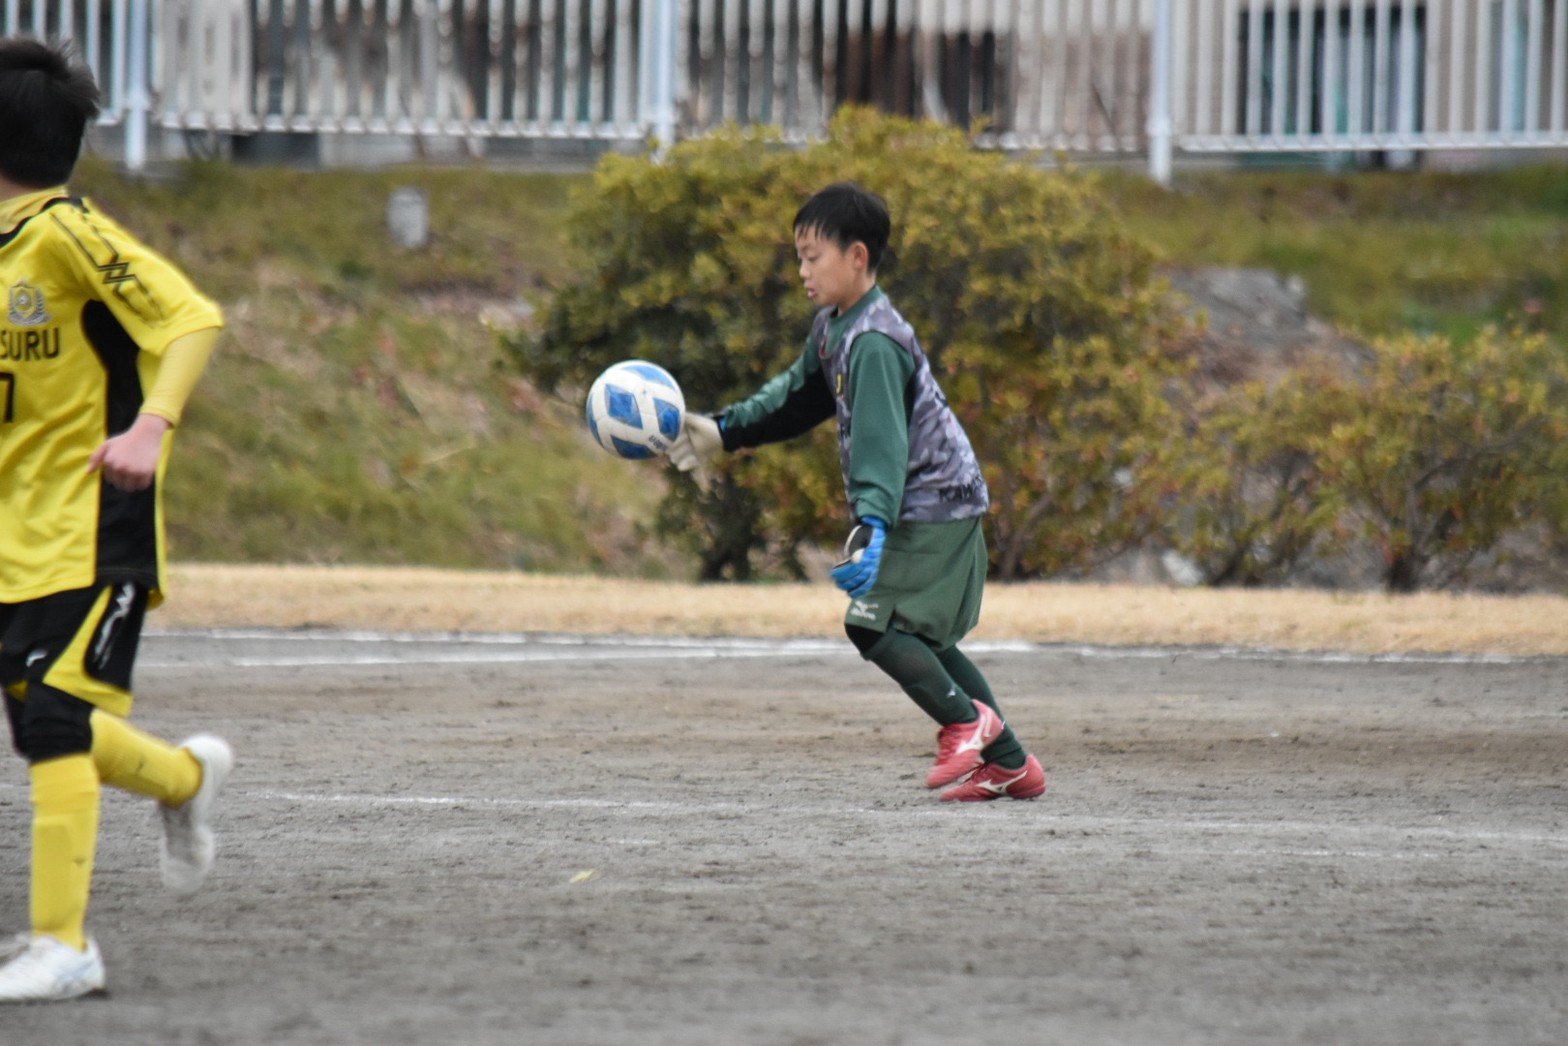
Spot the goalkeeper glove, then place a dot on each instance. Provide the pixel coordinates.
(699, 440)
(857, 574)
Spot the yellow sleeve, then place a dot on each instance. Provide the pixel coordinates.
(181, 367)
(148, 295)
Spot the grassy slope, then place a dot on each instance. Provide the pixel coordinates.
(1380, 252)
(358, 411)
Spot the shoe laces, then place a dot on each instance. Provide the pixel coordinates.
(998, 772)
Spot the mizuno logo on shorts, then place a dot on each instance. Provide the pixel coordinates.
(124, 597)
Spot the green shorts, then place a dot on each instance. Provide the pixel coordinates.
(930, 582)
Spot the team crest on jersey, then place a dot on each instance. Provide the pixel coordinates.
(27, 306)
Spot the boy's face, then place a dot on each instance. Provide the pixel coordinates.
(832, 275)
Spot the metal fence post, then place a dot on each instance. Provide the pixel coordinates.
(1160, 95)
(138, 100)
(658, 55)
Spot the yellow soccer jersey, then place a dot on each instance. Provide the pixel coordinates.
(89, 313)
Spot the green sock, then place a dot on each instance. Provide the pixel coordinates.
(914, 666)
(1006, 749)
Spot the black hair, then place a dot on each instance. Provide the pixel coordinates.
(847, 214)
(47, 98)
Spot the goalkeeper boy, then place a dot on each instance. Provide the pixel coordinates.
(917, 559)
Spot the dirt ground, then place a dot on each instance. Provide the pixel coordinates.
(520, 839)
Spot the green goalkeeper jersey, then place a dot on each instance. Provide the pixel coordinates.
(904, 456)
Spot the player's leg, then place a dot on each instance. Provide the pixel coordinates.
(129, 759)
(1007, 769)
(56, 960)
(911, 664)
(967, 727)
(65, 662)
(1006, 749)
(50, 730)
(184, 779)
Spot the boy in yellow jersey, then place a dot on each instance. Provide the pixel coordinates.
(101, 343)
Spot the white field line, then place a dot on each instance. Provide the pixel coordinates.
(1088, 825)
(400, 648)
(460, 658)
(1158, 835)
(414, 648)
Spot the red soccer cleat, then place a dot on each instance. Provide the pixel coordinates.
(958, 746)
(991, 781)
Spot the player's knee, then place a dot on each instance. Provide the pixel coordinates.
(865, 639)
(49, 724)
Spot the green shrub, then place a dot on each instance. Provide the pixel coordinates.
(1251, 505)
(1444, 447)
(1040, 315)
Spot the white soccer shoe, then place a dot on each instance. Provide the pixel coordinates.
(49, 970)
(188, 842)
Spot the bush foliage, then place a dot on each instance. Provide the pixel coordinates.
(1249, 502)
(1431, 452)
(354, 412)
(1055, 342)
(1443, 447)
(1067, 360)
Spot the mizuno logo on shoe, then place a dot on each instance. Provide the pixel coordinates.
(1001, 787)
(975, 741)
(981, 736)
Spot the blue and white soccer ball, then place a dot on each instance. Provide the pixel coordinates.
(635, 409)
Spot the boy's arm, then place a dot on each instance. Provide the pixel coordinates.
(129, 460)
(792, 403)
(181, 368)
(787, 406)
(879, 373)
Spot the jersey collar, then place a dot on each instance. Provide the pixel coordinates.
(861, 305)
(17, 209)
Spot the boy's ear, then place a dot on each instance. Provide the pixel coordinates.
(861, 254)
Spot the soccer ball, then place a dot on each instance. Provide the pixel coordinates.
(635, 409)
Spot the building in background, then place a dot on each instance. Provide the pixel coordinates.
(1145, 81)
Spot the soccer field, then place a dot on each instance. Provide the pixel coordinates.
(493, 839)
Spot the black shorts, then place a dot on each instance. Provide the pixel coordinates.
(82, 643)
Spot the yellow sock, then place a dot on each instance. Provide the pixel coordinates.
(138, 762)
(65, 836)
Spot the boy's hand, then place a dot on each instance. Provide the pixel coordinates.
(857, 574)
(130, 460)
(699, 440)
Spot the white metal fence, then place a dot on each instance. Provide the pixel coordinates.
(1160, 78)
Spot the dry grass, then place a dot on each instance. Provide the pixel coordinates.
(444, 600)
